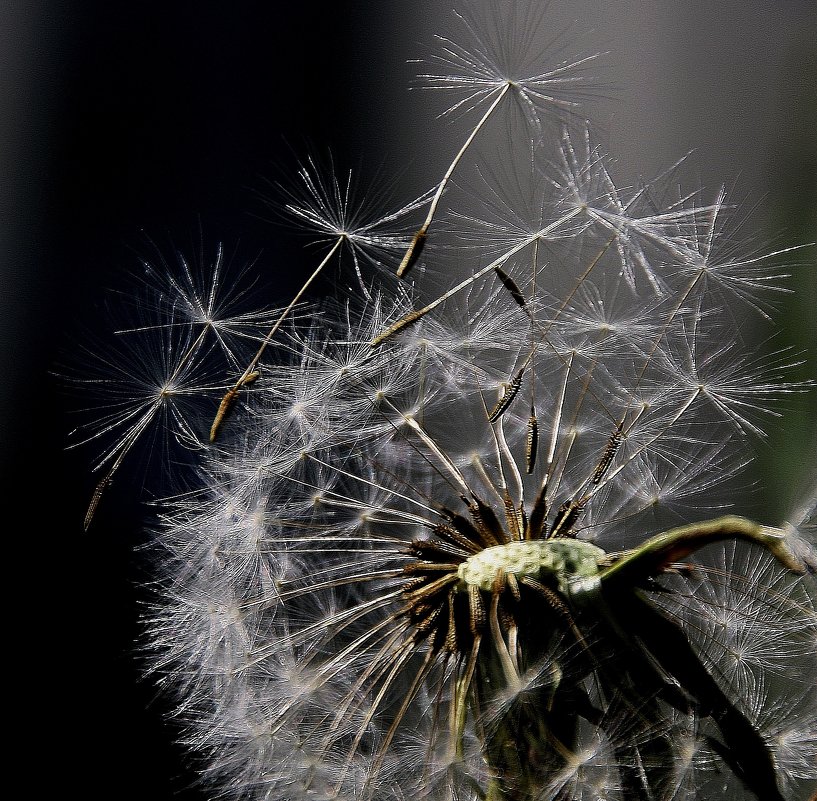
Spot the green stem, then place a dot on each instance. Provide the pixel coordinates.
(654, 555)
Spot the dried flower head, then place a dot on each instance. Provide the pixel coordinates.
(469, 537)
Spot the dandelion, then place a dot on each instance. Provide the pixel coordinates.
(477, 542)
(423, 586)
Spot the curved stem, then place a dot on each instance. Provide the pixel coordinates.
(654, 555)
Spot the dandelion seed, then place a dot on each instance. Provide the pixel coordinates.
(482, 73)
(329, 209)
(191, 322)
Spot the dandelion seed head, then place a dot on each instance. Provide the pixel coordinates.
(357, 539)
(455, 546)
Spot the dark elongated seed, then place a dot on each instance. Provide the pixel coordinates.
(457, 537)
(434, 549)
(539, 513)
(488, 523)
(511, 286)
(608, 455)
(451, 641)
(477, 617)
(510, 393)
(566, 517)
(532, 442)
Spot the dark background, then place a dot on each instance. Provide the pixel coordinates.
(118, 119)
(122, 121)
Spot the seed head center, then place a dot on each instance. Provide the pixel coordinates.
(562, 559)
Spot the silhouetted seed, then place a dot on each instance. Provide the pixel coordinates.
(512, 516)
(418, 611)
(551, 597)
(95, 498)
(410, 318)
(409, 586)
(539, 513)
(457, 537)
(608, 455)
(488, 523)
(523, 520)
(429, 567)
(566, 517)
(531, 442)
(511, 286)
(474, 533)
(227, 403)
(477, 617)
(427, 623)
(451, 641)
(510, 393)
(431, 588)
(413, 253)
(434, 549)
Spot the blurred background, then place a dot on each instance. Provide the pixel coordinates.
(121, 122)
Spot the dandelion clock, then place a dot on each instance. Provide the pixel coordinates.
(471, 528)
